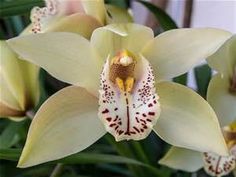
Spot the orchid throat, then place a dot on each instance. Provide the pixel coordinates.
(122, 71)
(128, 102)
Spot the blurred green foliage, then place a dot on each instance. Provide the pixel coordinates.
(106, 158)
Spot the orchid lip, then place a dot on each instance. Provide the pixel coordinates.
(216, 165)
(40, 16)
(128, 101)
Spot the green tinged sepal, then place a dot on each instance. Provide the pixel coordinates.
(221, 94)
(19, 84)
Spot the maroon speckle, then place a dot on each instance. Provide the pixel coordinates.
(108, 119)
(135, 128)
(112, 125)
(105, 111)
(151, 113)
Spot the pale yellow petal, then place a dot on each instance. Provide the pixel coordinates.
(6, 96)
(115, 37)
(31, 80)
(222, 101)
(224, 60)
(6, 111)
(176, 51)
(187, 120)
(67, 56)
(65, 124)
(117, 15)
(182, 159)
(95, 8)
(77, 23)
(11, 76)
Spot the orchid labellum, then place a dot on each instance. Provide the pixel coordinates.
(119, 87)
(221, 95)
(78, 16)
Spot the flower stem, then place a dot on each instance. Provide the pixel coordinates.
(57, 170)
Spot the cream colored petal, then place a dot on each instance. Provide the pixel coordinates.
(68, 7)
(7, 111)
(76, 23)
(224, 60)
(182, 159)
(115, 37)
(117, 15)
(11, 76)
(65, 124)
(67, 56)
(6, 96)
(176, 51)
(221, 100)
(187, 120)
(31, 80)
(95, 8)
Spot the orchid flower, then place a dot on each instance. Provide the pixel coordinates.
(213, 164)
(78, 16)
(118, 86)
(222, 88)
(19, 84)
(221, 95)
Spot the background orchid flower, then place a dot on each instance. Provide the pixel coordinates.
(79, 16)
(222, 98)
(130, 89)
(222, 88)
(19, 84)
(213, 164)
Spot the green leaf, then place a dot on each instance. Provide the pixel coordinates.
(203, 76)
(10, 8)
(166, 22)
(10, 154)
(82, 158)
(181, 79)
(87, 158)
(119, 3)
(10, 135)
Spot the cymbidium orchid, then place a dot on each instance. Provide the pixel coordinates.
(213, 164)
(19, 84)
(119, 87)
(79, 16)
(221, 95)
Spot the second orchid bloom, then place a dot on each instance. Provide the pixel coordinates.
(119, 87)
(221, 95)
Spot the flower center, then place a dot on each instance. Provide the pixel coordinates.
(232, 87)
(128, 103)
(122, 70)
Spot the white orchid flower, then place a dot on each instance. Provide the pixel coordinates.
(127, 96)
